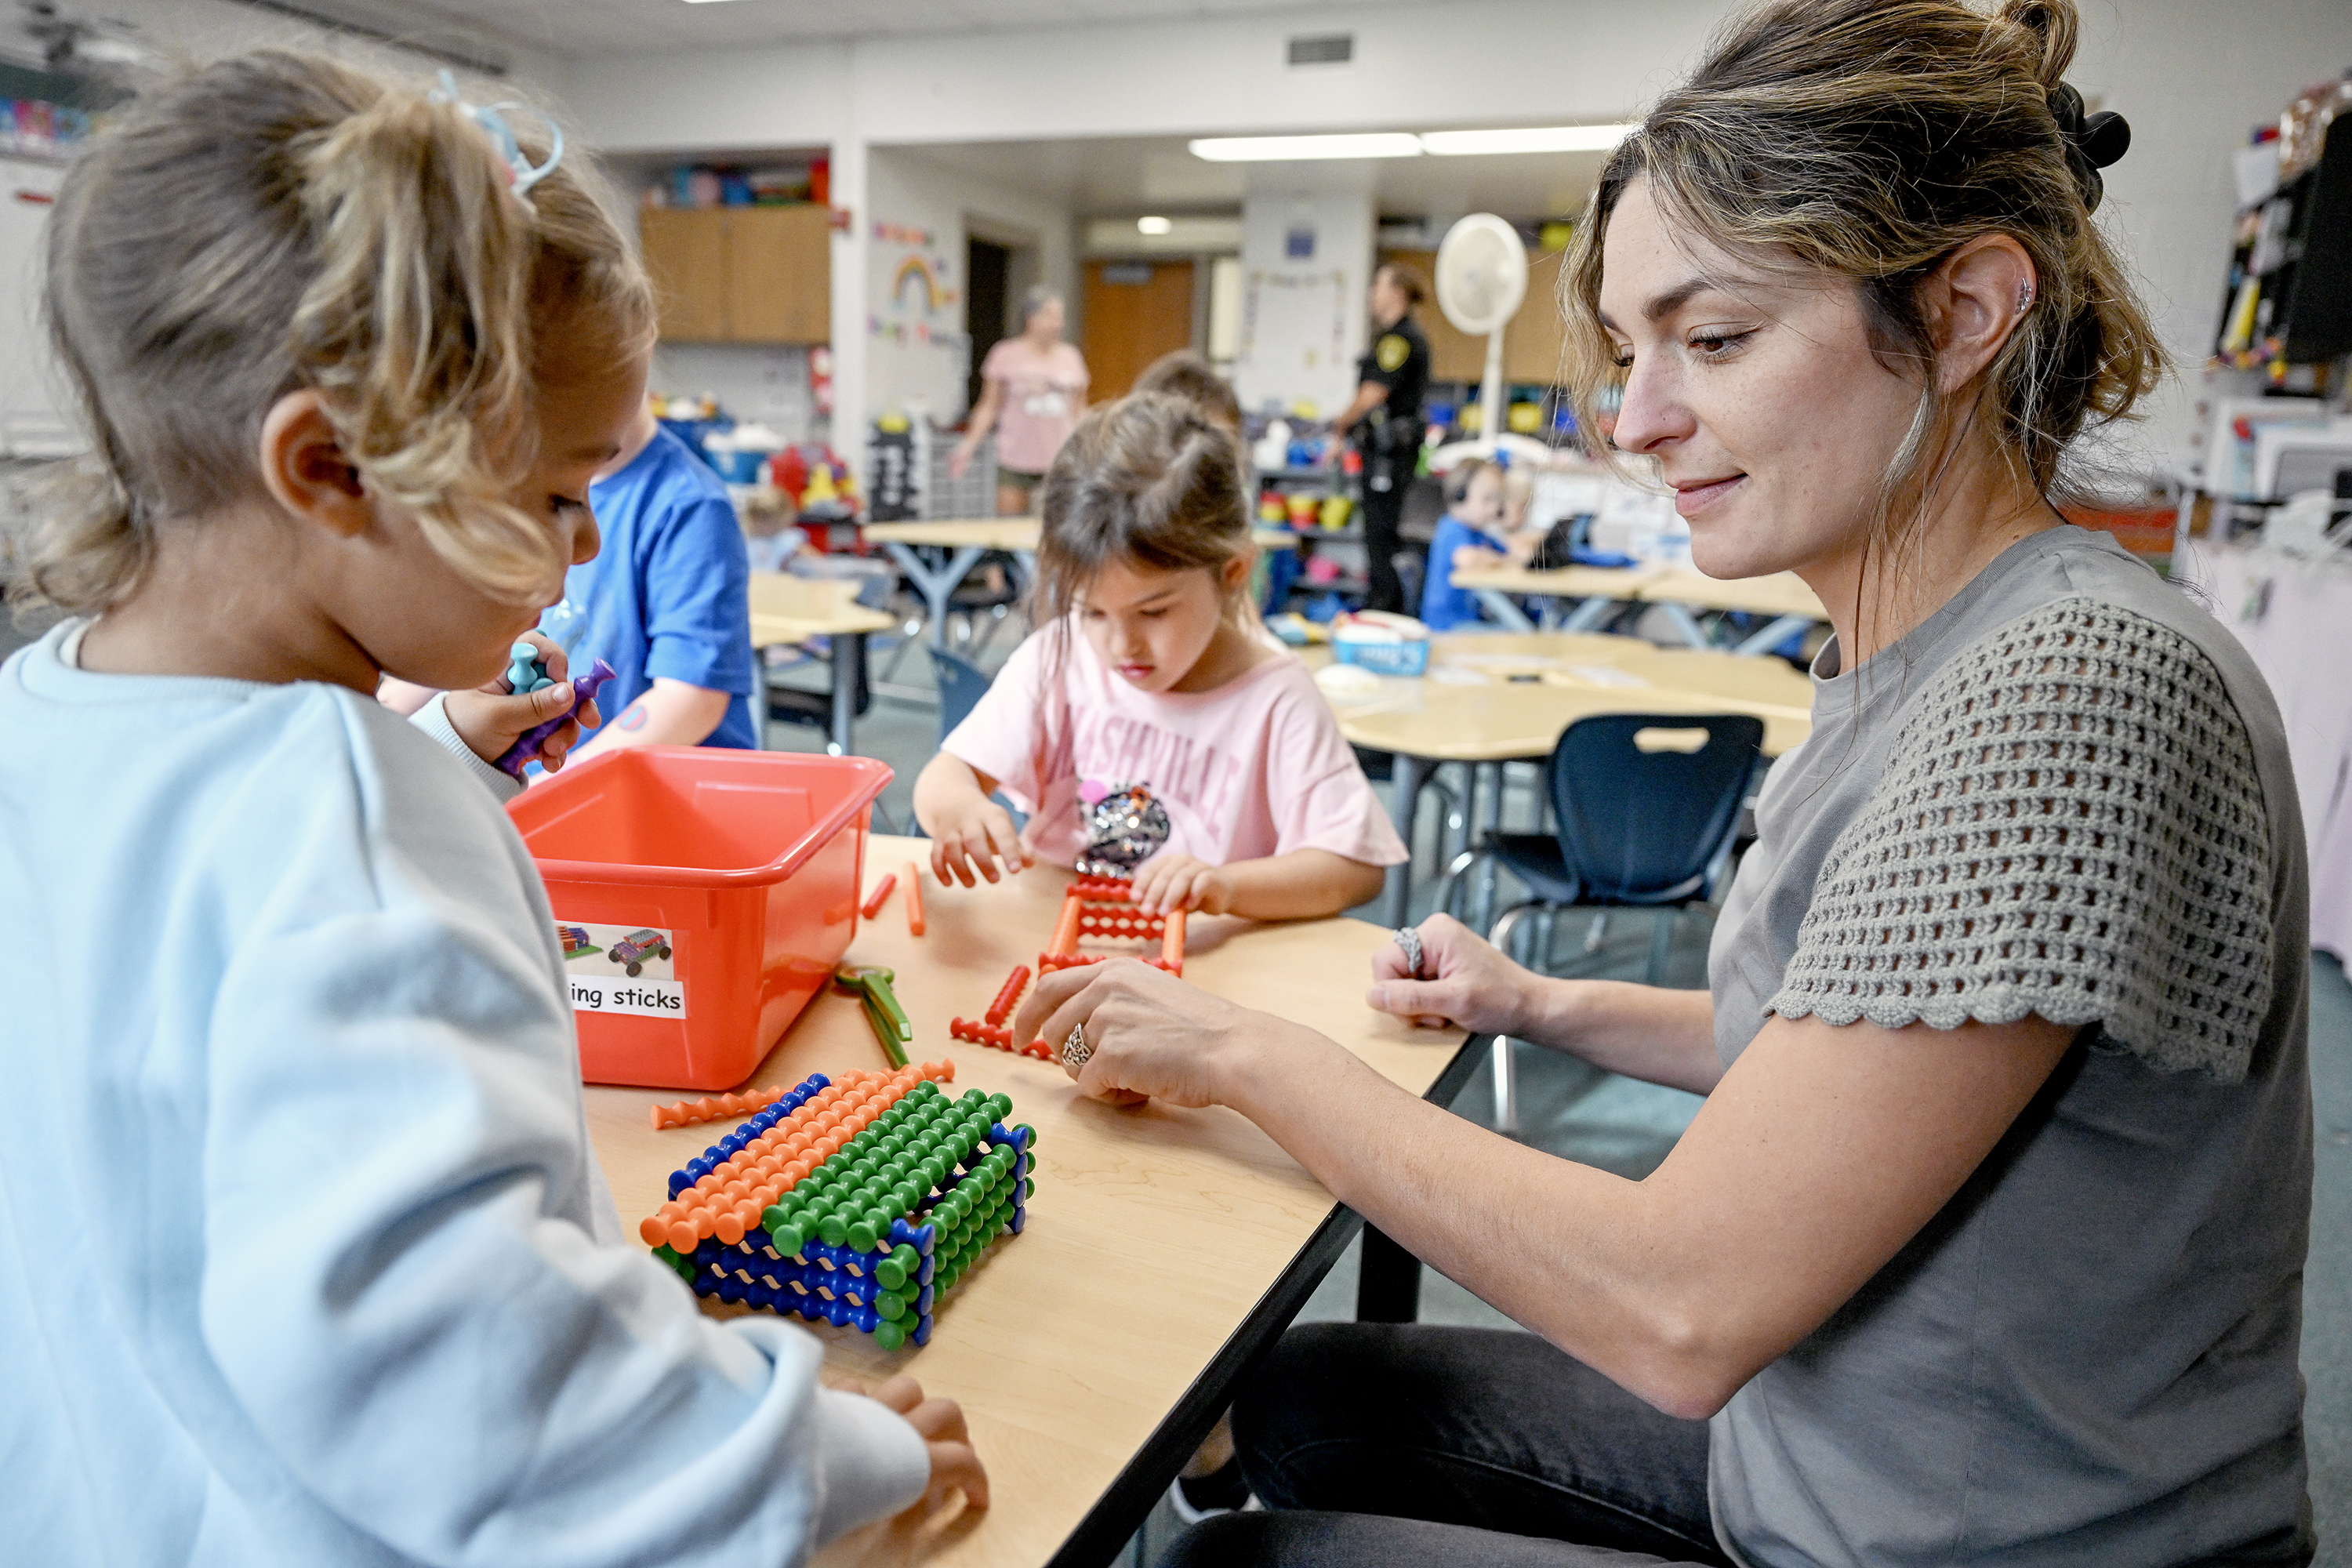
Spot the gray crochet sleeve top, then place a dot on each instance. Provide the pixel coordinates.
(2070, 824)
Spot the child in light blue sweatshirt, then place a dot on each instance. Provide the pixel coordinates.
(305, 1258)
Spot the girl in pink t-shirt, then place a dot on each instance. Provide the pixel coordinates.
(1149, 726)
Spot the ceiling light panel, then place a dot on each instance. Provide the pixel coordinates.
(1533, 139)
(1300, 149)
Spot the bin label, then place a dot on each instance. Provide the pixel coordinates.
(621, 968)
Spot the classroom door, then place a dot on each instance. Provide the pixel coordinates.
(1135, 312)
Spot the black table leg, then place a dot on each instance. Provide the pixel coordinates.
(1388, 1282)
(848, 670)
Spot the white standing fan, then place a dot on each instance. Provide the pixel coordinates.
(1481, 277)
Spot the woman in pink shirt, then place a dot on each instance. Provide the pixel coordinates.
(1149, 727)
(1032, 390)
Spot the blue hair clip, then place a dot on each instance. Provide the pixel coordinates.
(493, 123)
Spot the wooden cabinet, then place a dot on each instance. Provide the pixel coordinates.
(741, 275)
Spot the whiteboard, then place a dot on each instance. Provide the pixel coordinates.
(1293, 343)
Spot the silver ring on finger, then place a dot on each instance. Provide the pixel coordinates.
(1075, 1050)
(1407, 939)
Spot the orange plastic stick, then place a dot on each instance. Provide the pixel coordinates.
(881, 891)
(1066, 931)
(1171, 941)
(688, 1111)
(914, 901)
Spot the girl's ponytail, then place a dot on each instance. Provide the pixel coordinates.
(279, 221)
(416, 326)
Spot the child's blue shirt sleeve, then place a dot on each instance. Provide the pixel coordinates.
(697, 587)
(668, 594)
(1445, 606)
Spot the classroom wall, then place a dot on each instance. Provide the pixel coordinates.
(2192, 75)
(914, 228)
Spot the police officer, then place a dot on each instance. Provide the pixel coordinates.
(1386, 419)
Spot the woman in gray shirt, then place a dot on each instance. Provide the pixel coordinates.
(1987, 1245)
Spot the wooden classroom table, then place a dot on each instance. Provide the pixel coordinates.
(787, 610)
(1166, 1249)
(966, 540)
(1497, 697)
(963, 540)
(1677, 589)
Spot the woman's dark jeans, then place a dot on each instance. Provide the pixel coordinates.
(1407, 1443)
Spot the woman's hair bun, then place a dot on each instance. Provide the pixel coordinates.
(2053, 23)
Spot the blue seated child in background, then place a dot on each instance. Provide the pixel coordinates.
(1468, 535)
(666, 602)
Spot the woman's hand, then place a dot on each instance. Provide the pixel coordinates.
(492, 718)
(1173, 881)
(1152, 1035)
(1470, 985)
(960, 460)
(955, 1464)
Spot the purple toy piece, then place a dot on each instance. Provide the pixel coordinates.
(520, 755)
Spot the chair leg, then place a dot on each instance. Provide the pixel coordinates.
(1507, 1085)
(1451, 880)
(1506, 1068)
(1661, 936)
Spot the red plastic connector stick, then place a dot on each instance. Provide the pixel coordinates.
(1009, 997)
(1172, 943)
(881, 893)
(914, 901)
(1049, 962)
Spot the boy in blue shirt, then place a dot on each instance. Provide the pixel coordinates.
(1465, 538)
(666, 601)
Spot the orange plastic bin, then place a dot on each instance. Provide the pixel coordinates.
(702, 895)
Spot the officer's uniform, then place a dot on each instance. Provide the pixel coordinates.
(1390, 439)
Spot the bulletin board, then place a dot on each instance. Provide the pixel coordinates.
(1294, 338)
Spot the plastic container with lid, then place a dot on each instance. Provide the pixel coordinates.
(716, 888)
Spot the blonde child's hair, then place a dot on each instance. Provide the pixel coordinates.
(281, 221)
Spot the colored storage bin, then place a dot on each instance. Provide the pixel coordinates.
(1407, 656)
(710, 892)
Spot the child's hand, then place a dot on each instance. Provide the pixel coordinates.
(955, 1464)
(491, 719)
(973, 837)
(1185, 882)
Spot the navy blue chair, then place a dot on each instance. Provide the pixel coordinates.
(962, 685)
(1647, 807)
